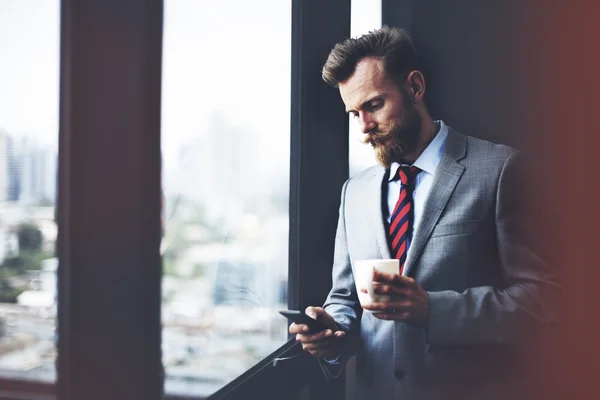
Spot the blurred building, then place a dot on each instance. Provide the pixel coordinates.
(228, 177)
(9, 173)
(9, 241)
(46, 296)
(38, 174)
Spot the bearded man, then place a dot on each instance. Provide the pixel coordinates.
(471, 291)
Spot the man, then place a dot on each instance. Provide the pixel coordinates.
(472, 291)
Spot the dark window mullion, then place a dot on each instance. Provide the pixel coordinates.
(319, 149)
(319, 161)
(109, 200)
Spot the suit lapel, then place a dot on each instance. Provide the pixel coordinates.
(445, 178)
(376, 212)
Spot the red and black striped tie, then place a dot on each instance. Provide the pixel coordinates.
(402, 217)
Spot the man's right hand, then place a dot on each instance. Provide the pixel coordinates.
(326, 343)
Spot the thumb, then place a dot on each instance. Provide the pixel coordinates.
(321, 315)
(313, 312)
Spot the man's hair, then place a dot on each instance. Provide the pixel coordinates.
(391, 45)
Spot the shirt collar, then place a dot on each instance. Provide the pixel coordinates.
(431, 156)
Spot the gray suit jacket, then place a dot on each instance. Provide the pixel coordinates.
(472, 254)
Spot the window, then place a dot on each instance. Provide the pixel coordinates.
(109, 236)
(29, 45)
(365, 17)
(225, 151)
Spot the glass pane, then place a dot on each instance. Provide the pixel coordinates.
(29, 81)
(225, 144)
(365, 15)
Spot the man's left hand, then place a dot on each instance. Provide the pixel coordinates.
(408, 301)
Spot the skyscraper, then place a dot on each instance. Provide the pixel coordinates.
(37, 178)
(9, 174)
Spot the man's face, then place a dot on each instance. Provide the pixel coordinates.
(385, 111)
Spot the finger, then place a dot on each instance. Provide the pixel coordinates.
(335, 337)
(315, 337)
(392, 290)
(313, 312)
(322, 345)
(298, 328)
(388, 289)
(325, 344)
(322, 316)
(391, 278)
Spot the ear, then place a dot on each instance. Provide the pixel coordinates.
(416, 85)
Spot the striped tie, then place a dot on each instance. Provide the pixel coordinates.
(402, 217)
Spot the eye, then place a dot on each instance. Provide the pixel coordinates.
(376, 104)
(353, 114)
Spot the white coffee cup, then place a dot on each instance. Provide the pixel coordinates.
(363, 277)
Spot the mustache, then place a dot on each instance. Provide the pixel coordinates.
(375, 137)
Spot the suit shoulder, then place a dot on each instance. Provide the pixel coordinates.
(485, 150)
(366, 175)
(357, 184)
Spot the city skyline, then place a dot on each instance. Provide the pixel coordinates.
(28, 170)
(29, 73)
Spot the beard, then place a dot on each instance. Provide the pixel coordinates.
(402, 137)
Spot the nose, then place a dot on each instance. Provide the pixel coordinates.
(367, 124)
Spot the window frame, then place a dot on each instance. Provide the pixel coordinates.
(109, 327)
(110, 346)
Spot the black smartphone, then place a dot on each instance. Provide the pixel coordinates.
(300, 317)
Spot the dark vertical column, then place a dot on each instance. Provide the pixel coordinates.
(319, 149)
(319, 158)
(397, 13)
(109, 200)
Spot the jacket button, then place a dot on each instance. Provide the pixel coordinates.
(399, 374)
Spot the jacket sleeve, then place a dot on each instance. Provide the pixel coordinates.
(342, 302)
(490, 315)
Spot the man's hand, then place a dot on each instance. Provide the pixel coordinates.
(326, 343)
(408, 302)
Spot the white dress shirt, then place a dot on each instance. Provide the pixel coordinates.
(427, 163)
